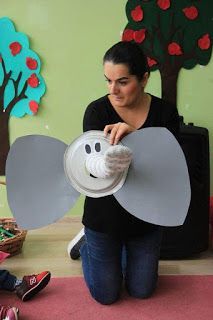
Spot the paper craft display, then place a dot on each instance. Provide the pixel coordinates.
(89, 144)
(173, 34)
(157, 187)
(22, 86)
(43, 173)
(37, 189)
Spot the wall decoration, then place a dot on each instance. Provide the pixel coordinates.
(21, 85)
(174, 34)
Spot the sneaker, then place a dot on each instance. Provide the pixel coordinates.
(8, 313)
(75, 244)
(32, 284)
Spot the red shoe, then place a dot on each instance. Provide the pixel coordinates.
(32, 284)
(8, 313)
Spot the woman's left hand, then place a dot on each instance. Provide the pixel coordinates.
(118, 131)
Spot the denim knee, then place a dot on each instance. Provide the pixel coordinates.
(141, 295)
(142, 292)
(105, 300)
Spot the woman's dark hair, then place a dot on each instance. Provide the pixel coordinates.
(130, 54)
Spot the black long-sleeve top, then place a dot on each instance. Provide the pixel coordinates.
(105, 214)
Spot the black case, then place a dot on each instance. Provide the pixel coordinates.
(193, 236)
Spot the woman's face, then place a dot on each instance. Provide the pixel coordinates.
(125, 90)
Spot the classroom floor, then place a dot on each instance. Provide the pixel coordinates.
(46, 249)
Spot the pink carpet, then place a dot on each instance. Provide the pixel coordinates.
(177, 298)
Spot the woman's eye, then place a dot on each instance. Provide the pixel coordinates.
(123, 83)
(98, 147)
(88, 148)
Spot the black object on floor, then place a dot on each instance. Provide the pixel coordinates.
(193, 236)
(75, 251)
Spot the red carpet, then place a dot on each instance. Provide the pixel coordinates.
(177, 298)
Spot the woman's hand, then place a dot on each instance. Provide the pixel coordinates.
(118, 131)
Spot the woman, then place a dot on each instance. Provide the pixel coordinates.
(119, 246)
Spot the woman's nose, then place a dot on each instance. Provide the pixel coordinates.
(113, 89)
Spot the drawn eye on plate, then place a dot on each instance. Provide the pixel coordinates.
(88, 148)
(97, 146)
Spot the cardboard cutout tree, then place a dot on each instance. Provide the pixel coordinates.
(21, 86)
(174, 34)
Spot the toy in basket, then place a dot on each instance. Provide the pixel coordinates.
(11, 237)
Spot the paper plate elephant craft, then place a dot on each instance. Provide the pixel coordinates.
(147, 174)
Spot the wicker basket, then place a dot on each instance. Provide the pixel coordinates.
(12, 245)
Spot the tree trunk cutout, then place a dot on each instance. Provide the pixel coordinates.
(21, 85)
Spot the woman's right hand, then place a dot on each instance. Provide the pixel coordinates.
(117, 131)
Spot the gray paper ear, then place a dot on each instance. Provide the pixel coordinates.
(37, 189)
(157, 187)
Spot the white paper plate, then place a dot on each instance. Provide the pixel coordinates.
(75, 169)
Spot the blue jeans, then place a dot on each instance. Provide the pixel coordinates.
(107, 261)
(7, 280)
